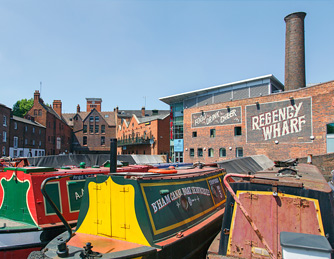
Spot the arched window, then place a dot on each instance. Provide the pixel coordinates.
(210, 152)
(222, 152)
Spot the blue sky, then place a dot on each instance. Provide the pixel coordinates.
(131, 53)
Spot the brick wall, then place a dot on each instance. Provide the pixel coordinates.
(320, 111)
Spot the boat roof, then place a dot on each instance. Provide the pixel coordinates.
(307, 175)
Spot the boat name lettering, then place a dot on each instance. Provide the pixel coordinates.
(279, 122)
(173, 196)
(81, 177)
(78, 195)
(213, 181)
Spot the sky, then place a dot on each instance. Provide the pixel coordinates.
(131, 53)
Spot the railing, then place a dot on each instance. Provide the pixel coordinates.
(133, 141)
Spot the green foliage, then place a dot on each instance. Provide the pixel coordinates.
(21, 107)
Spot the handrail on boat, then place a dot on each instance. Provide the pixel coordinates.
(62, 249)
(245, 213)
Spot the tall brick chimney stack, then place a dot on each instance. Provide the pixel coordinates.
(78, 108)
(57, 107)
(37, 95)
(143, 111)
(294, 51)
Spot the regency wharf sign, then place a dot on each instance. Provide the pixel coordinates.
(220, 117)
(285, 121)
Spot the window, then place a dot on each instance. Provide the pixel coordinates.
(212, 133)
(16, 141)
(15, 153)
(239, 152)
(4, 136)
(96, 128)
(39, 112)
(3, 151)
(237, 131)
(84, 130)
(84, 141)
(15, 125)
(194, 134)
(103, 141)
(103, 128)
(26, 141)
(330, 128)
(35, 152)
(33, 130)
(222, 152)
(58, 142)
(210, 152)
(91, 127)
(35, 112)
(91, 118)
(33, 142)
(97, 118)
(40, 143)
(200, 152)
(4, 120)
(39, 131)
(192, 152)
(26, 128)
(21, 153)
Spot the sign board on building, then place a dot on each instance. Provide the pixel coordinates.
(219, 117)
(284, 121)
(178, 145)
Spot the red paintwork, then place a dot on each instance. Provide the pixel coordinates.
(35, 198)
(18, 253)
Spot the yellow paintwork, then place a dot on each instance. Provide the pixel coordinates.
(162, 230)
(316, 204)
(112, 213)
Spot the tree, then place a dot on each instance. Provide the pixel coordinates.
(21, 107)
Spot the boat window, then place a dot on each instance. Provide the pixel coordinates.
(53, 190)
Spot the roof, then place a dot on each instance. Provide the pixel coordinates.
(180, 97)
(109, 117)
(35, 123)
(152, 118)
(138, 113)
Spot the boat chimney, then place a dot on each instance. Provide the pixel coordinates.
(113, 155)
(294, 51)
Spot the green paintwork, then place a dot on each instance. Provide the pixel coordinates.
(28, 170)
(76, 190)
(14, 205)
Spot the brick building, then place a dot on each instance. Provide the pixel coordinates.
(27, 138)
(58, 133)
(145, 134)
(5, 114)
(93, 129)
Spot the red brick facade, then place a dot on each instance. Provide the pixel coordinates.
(58, 133)
(149, 137)
(5, 114)
(291, 142)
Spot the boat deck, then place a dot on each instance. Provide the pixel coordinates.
(8, 223)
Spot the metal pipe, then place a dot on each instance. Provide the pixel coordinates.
(243, 210)
(113, 155)
(54, 207)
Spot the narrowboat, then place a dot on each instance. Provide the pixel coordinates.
(27, 221)
(162, 213)
(289, 197)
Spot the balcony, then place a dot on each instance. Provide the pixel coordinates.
(134, 141)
